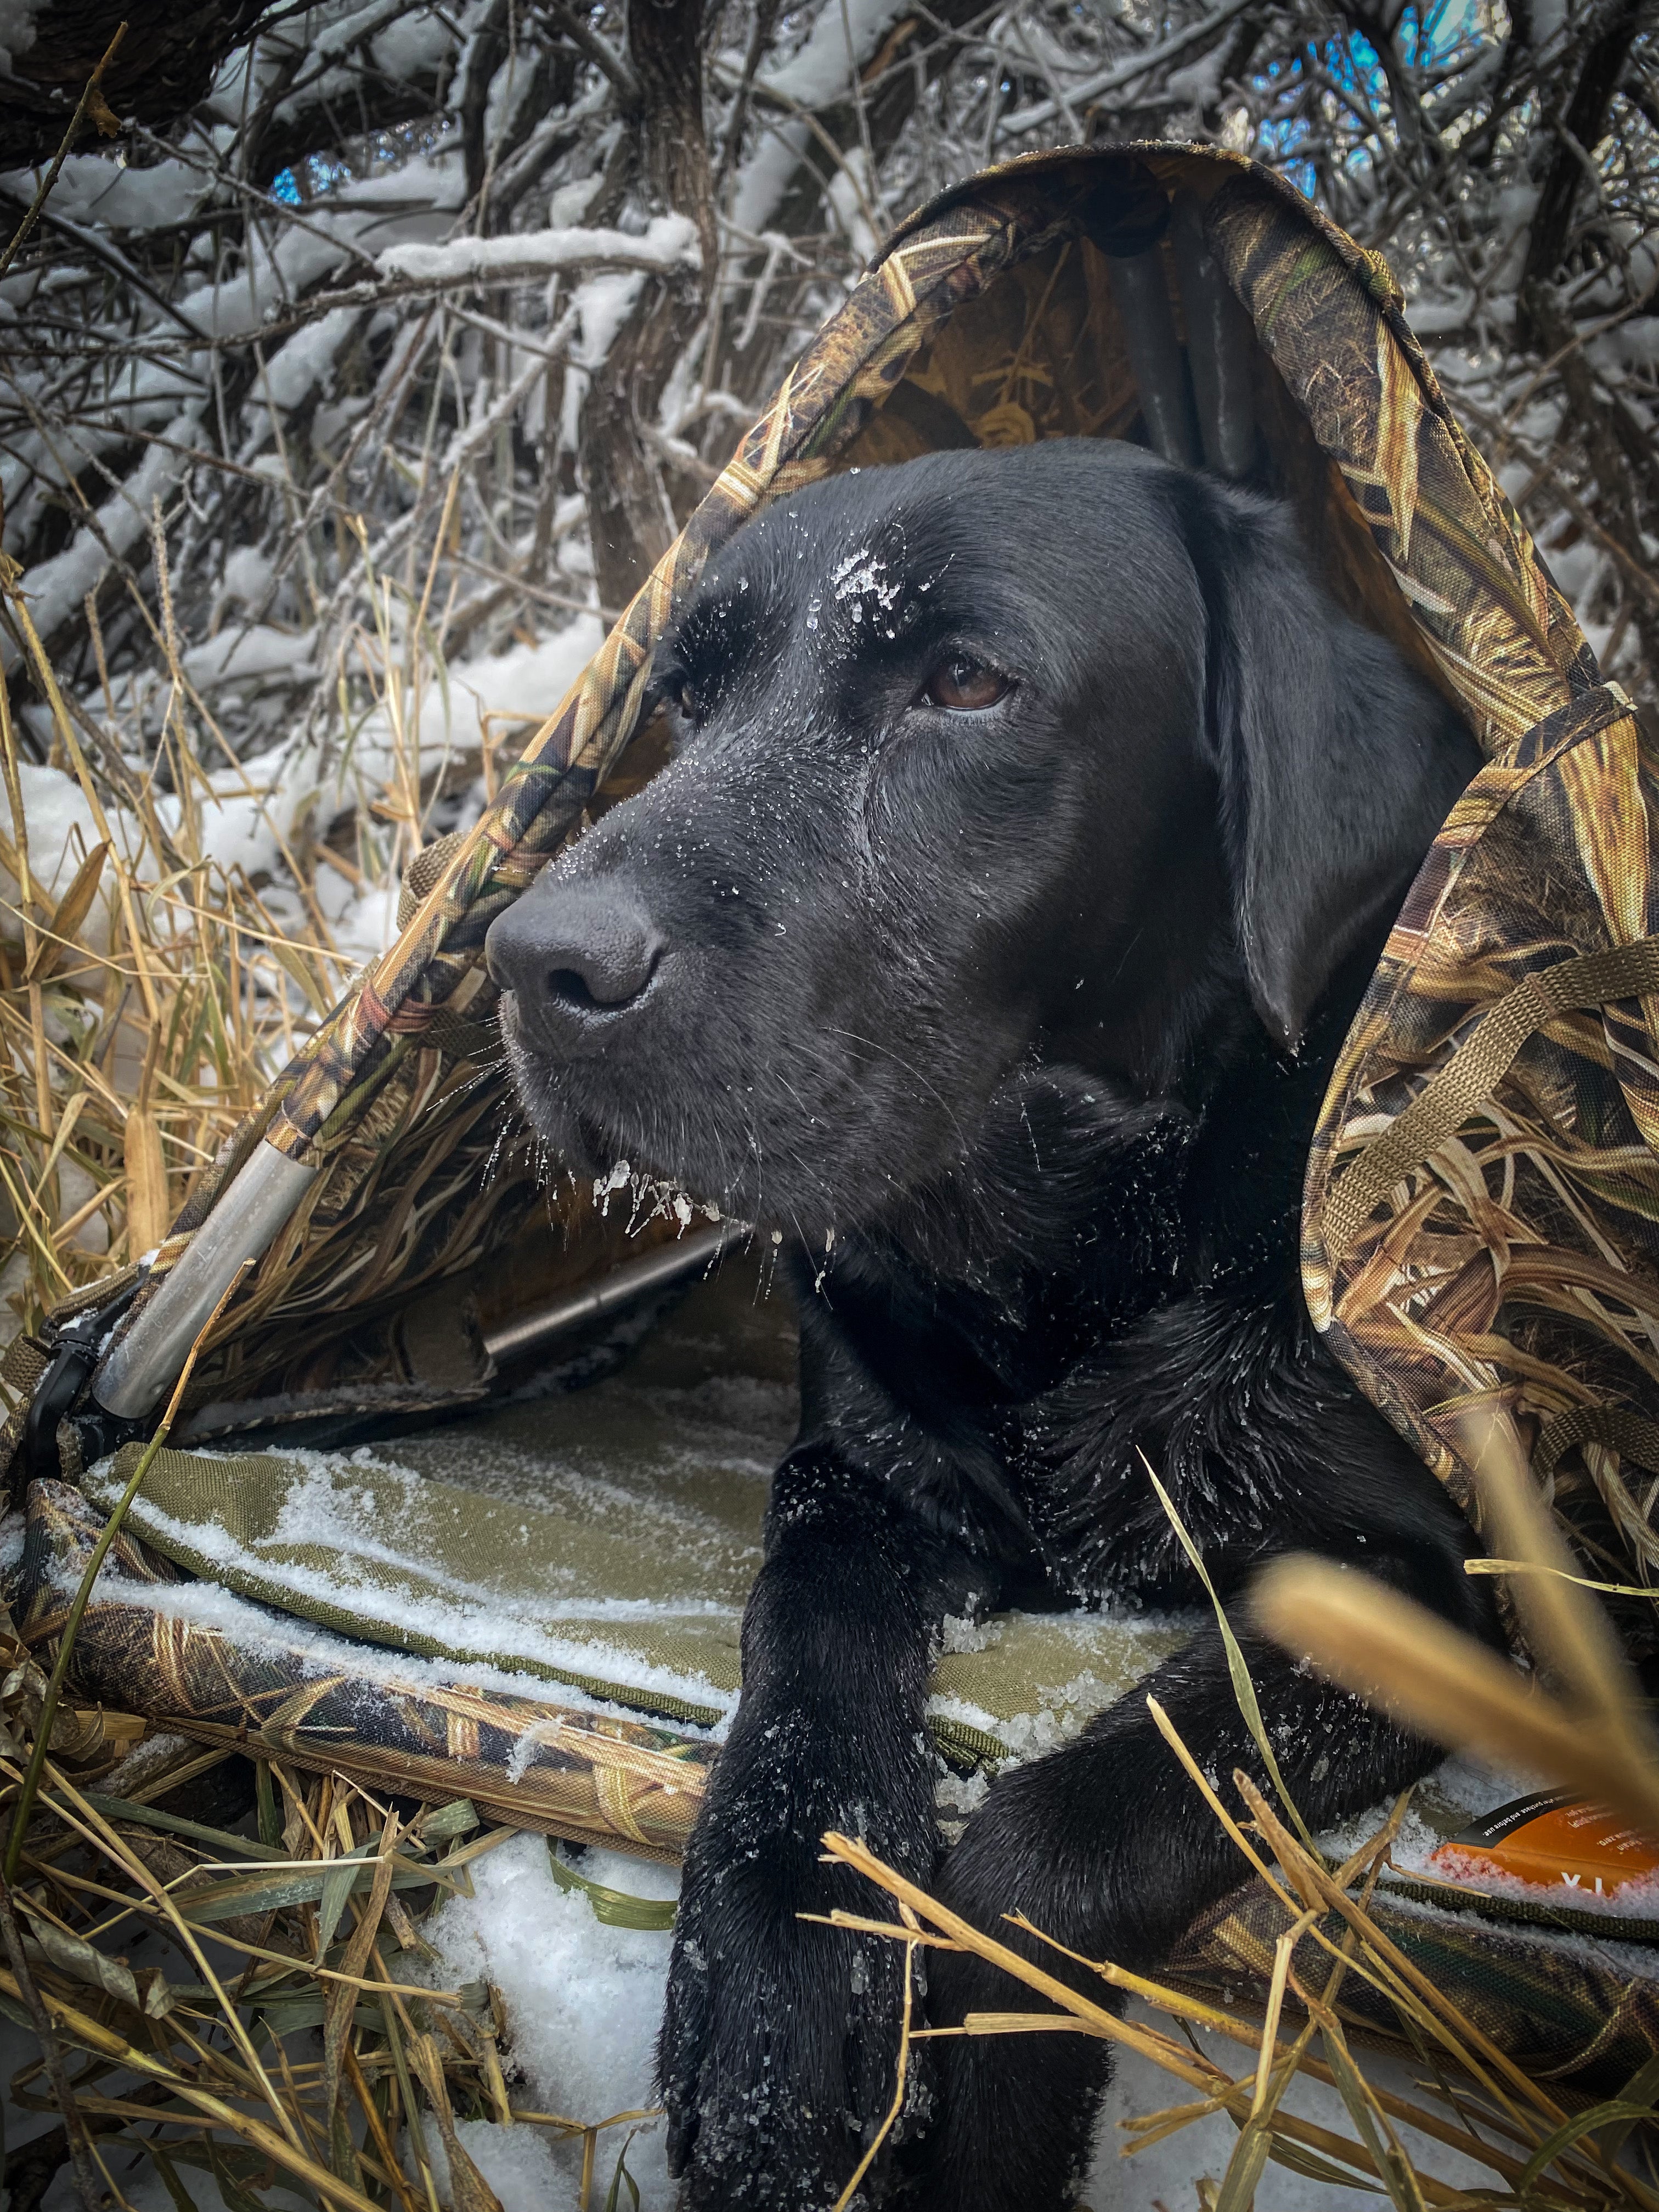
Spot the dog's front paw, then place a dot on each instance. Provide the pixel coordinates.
(780, 2043)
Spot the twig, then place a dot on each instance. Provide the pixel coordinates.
(602, 56)
(88, 96)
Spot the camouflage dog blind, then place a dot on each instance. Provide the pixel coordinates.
(1482, 1193)
(1480, 1224)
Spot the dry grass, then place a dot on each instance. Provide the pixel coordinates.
(1473, 2099)
(1540, 2147)
(130, 1062)
(290, 2039)
(297, 1931)
(149, 994)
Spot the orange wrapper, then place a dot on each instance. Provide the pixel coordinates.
(1555, 1840)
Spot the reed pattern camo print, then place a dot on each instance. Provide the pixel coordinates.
(1507, 1262)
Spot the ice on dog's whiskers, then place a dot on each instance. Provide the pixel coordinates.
(654, 1198)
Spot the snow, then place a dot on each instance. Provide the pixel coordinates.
(306, 359)
(54, 588)
(245, 814)
(670, 242)
(248, 574)
(61, 832)
(256, 1628)
(525, 1654)
(1634, 1899)
(530, 681)
(17, 32)
(91, 188)
(812, 78)
(415, 41)
(244, 652)
(583, 2002)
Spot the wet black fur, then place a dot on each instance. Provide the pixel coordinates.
(1008, 1000)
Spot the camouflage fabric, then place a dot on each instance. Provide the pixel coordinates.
(1482, 1213)
(1508, 1264)
(1579, 2014)
(574, 1772)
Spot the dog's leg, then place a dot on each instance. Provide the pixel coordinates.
(1107, 1846)
(778, 2045)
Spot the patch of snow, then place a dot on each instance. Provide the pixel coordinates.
(849, 192)
(257, 1628)
(61, 832)
(518, 2163)
(1635, 1898)
(1433, 318)
(474, 1619)
(247, 574)
(17, 32)
(818, 73)
(865, 574)
(570, 203)
(958, 1634)
(306, 359)
(256, 808)
(55, 588)
(530, 681)
(583, 2002)
(366, 925)
(244, 652)
(669, 242)
(96, 188)
(417, 40)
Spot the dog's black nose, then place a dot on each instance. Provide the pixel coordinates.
(575, 955)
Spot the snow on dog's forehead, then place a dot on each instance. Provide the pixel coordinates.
(987, 544)
(840, 553)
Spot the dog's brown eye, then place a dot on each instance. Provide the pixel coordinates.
(965, 685)
(688, 700)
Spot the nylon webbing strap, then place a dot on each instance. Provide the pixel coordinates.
(1475, 1072)
(1628, 1433)
(422, 872)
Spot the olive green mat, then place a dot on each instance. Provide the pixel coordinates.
(606, 1539)
(390, 1557)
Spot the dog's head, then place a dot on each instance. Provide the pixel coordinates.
(1053, 752)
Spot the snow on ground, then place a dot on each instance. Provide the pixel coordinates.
(1169, 2173)
(583, 2002)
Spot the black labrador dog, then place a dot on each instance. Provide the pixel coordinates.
(1034, 822)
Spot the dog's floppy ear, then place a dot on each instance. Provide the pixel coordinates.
(1337, 761)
